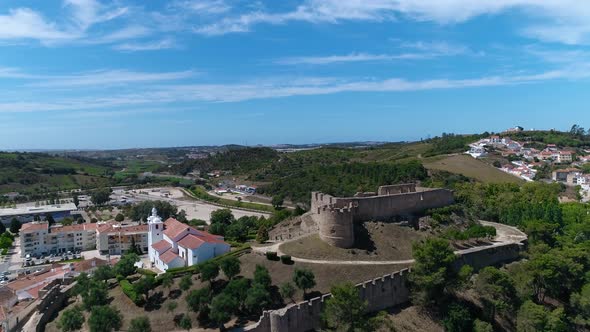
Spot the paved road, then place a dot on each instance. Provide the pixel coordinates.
(504, 235)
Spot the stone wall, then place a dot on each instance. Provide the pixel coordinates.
(380, 293)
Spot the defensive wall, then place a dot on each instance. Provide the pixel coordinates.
(335, 215)
(381, 293)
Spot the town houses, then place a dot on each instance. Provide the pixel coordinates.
(174, 244)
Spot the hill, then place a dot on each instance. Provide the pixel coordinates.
(470, 167)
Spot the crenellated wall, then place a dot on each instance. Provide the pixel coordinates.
(381, 293)
(337, 227)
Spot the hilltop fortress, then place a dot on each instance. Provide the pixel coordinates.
(334, 217)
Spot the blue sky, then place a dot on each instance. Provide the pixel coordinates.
(127, 73)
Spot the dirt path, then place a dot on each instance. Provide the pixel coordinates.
(504, 235)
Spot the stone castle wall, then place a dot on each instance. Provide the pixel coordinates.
(380, 293)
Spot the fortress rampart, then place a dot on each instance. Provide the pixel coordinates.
(335, 216)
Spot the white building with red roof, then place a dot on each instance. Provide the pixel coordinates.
(174, 244)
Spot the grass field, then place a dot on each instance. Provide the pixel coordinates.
(470, 167)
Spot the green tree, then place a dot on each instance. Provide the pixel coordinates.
(496, 289)
(141, 211)
(432, 274)
(145, 285)
(95, 295)
(481, 326)
(186, 282)
(531, 317)
(49, 218)
(304, 279)
(262, 277)
(209, 271)
(197, 298)
(101, 196)
(71, 319)
(287, 290)
(222, 216)
(105, 319)
(120, 217)
(167, 281)
(140, 324)
(457, 319)
(262, 234)
(238, 289)
(257, 298)
(2, 228)
(230, 266)
(103, 273)
(580, 302)
(172, 305)
(15, 226)
(185, 322)
(125, 266)
(222, 308)
(217, 228)
(277, 202)
(345, 311)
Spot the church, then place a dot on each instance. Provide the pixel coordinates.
(174, 244)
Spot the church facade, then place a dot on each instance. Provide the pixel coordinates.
(174, 244)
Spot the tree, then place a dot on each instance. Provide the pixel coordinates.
(287, 290)
(217, 228)
(262, 234)
(145, 285)
(238, 289)
(222, 308)
(134, 247)
(262, 277)
(257, 298)
(197, 298)
(141, 211)
(172, 305)
(49, 218)
(345, 311)
(120, 217)
(105, 319)
(126, 265)
(185, 322)
(433, 273)
(230, 266)
(95, 295)
(103, 273)
(2, 228)
(277, 202)
(71, 319)
(101, 196)
(140, 324)
(481, 326)
(167, 281)
(15, 226)
(496, 289)
(458, 319)
(222, 216)
(581, 304)
(186, 282)
(209, 271)
(531, 317)
(304, 279)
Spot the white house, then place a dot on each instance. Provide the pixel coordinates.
(174, 244)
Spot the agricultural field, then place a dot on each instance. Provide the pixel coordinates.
(470, 167)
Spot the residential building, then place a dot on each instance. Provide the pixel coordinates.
(29, 213)
(495, 139)
(564, 157)
(561, 175)
(174, 244)
(38, 239)
(116, 239)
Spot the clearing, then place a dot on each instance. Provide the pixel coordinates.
(470, 167)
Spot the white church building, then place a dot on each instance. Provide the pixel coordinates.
(174, 244)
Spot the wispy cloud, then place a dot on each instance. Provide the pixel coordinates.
(24, 23)
(203, 7)
(166, 43)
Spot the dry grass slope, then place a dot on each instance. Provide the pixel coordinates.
(470, 167)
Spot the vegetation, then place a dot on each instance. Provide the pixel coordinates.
(304, 279)
(105, 319)
(345, 311)
(71, 319)
(140, 324)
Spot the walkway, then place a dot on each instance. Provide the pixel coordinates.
(504, 235)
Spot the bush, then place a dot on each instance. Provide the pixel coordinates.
(272, 256)
(129, 290)
(286, 259)
(4, 251)
(146, 272)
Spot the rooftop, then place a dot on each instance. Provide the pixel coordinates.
(37, 209)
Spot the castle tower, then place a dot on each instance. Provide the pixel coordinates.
(155, 232)
(336, 225)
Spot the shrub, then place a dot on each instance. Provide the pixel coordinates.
(272, 256)
(4, 251)
(286, 259)
(129, 290)
(146, 272)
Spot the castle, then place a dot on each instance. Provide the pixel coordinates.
(334, 217)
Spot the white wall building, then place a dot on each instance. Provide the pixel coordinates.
(174, 244)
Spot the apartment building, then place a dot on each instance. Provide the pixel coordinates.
(115, 239)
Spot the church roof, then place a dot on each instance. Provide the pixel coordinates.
(173, 228)
(168, 256)
(191, 241)
(161, 246)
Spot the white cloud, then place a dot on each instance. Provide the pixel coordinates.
(86, 13)
(565, 21)
(203, 7)
(108, 78)
(129, 32)
(166, 43)
(352, 57)
(24, 23)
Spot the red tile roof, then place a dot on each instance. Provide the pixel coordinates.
(89, 264)
(168, 256)
(173, 228)
(161, 246)
(191, 241)
(110, 228)
(34, 227)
